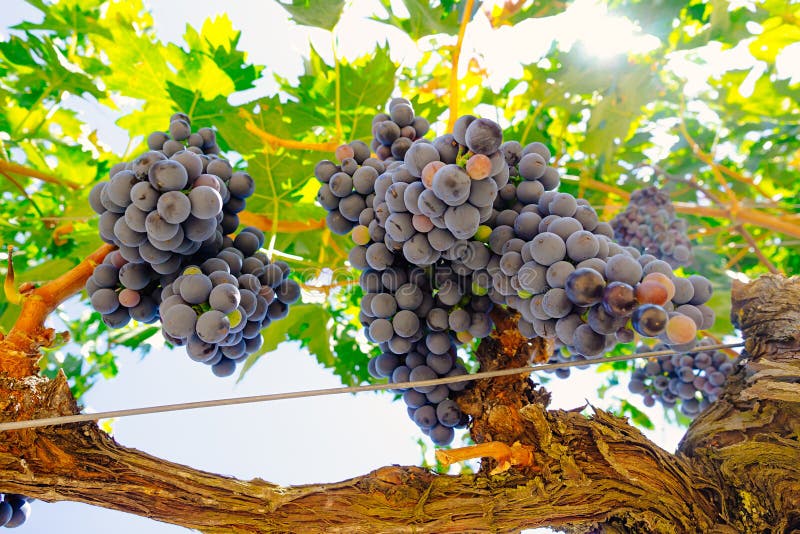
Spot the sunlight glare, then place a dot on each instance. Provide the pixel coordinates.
(787, 63)
(741, 277)
(603, 35)
(505, 49)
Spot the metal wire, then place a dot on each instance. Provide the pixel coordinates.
(80, 418)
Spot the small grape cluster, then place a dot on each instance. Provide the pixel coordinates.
(691, 380)
(395, 131)
(219, 308)
(170, 212)
(660, 305)
(446, 229)
(430, 407)
(603, 302)
(14, 510)
(649, 225)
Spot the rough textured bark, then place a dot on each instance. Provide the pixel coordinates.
(748, 442)
(737, 469)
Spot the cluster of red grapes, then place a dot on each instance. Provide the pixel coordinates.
(649, 225)
(691, 380)
(14, 510)
(445, 229)
(171, 213)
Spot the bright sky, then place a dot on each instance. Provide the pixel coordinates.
(310, 440)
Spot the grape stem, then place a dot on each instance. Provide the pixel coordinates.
(747, 236)
(326, 288)
(726, 187)
(701, 232)
(531, 120)
(335, 246)
(338, 87)
(29, 333)
(736, 258)
(15, 168)
(690, 181)
(716, 168)
(9, 287)
(454, 68)
(591, 183)
(739, 216)
(22, 190)
(275, 141)
(264, 223)
(61, 232)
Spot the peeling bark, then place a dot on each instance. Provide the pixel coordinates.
(748, 442)
(602, 458)
(737, 469)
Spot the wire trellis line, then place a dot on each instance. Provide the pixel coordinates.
(82, 418)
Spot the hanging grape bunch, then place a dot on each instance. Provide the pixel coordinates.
(669, 307)
(171, 213)
(446, 229)
(14, 510)
(649, 225)
(692, 381)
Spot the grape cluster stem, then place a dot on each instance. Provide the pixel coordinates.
(454, 68)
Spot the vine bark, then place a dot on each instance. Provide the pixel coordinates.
(737, 469)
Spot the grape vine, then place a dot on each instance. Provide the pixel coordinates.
(446, 229)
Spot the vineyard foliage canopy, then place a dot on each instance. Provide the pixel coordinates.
(703, 100)
(724, 145)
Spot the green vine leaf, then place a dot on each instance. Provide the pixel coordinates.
(323, 14)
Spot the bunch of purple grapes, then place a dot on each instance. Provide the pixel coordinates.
(446, 229)
(649, 225)
(170, 212)
(603, 301)
(14, 510)
(692, 381)
(219, 308)
(668, 307)
(394, 132)
(413, 246)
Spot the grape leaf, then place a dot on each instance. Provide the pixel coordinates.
(423, 19)
(67, 19)
(511, 13)
(655, 18)
(638, 417)
(306, 323)
(323, 14)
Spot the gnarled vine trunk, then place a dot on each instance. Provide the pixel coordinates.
(737, 469)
